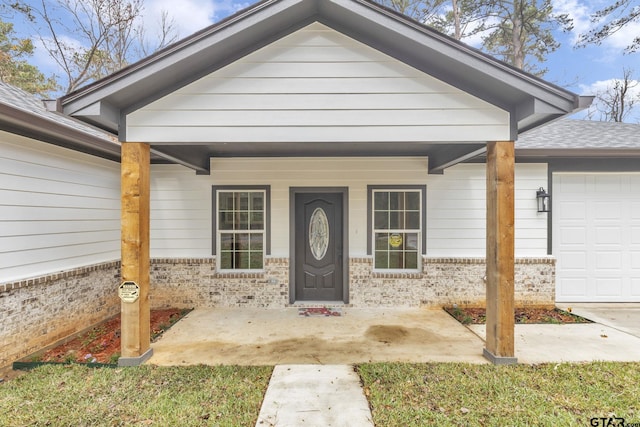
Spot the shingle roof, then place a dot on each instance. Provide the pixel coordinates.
(19, 99)
(24, 114)
(581, 135)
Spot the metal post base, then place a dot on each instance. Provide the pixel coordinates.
(135, 361)
(499, 360)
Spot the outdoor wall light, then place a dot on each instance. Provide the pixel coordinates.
(543, 200)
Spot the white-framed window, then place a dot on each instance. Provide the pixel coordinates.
(240, 226)
(397, 228)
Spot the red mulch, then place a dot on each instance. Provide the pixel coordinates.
(102, 343)
(522, 315)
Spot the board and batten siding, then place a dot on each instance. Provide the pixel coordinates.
(181, 202)
(59, 209)
(317, 85)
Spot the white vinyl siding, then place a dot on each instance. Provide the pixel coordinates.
(180, 213)
(181, 202)
(59, 209)
(456, 211)
(317, 85)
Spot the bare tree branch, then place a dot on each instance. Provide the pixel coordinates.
(90, 39)
(615, 103)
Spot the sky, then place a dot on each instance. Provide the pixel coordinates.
(584, 71)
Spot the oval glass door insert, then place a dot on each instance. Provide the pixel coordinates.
(318, 233)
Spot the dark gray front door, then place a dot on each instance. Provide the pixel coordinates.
(318, 246)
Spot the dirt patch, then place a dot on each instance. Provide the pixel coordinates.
(522, 315)
(396, 334)
(386, 333)
(102, 343)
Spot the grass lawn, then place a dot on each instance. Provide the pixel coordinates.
(180, 396)
(453, 394)
(443, 394)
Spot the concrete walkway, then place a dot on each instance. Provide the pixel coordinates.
(314, 396)
(614, 336)
(624, 317)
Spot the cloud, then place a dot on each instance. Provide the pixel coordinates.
(578, 12)
(623, 37)
(476, 39)
(604, 86)
(188, 16)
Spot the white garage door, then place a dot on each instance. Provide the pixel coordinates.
(596, 237)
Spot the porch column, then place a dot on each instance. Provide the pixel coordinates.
(135, 189)
(500, 253)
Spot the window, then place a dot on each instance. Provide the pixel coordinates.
(397, 227)
(241, 231)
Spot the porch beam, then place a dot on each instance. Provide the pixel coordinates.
(135, 192)
(499, 344)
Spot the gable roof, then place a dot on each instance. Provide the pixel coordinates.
(581, 138)
(529, 100)
(24, 114)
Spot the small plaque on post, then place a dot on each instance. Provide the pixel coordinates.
(129, 291)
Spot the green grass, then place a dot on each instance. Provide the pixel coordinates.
(452, 394)
(443, 394)
(75, 395)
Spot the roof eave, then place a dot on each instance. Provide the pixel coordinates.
(47, 130)
(530, 100)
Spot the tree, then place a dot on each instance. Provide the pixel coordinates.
(14, 68)
(463, 18)
(612, 19)
(614, 104)
(520, 32)
(421, 10)
(523, 32)
(90, 39)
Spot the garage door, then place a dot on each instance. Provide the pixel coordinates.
(596, 237)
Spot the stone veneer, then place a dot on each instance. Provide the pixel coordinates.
(187, 283)
(40, 311)
(442, 281)
(446, 281)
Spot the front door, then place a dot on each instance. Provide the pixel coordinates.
(319, 246)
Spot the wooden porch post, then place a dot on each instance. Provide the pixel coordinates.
(500, 253)
(135, 188)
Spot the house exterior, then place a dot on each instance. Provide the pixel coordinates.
(300, 152)
(59, 225)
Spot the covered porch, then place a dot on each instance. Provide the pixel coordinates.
(310, 79)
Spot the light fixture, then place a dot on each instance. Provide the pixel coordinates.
(543, 200)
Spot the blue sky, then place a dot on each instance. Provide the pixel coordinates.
(581, 70)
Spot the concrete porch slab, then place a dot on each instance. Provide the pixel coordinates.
(246, 336)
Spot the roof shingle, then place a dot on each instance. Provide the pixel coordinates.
(581, 134)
